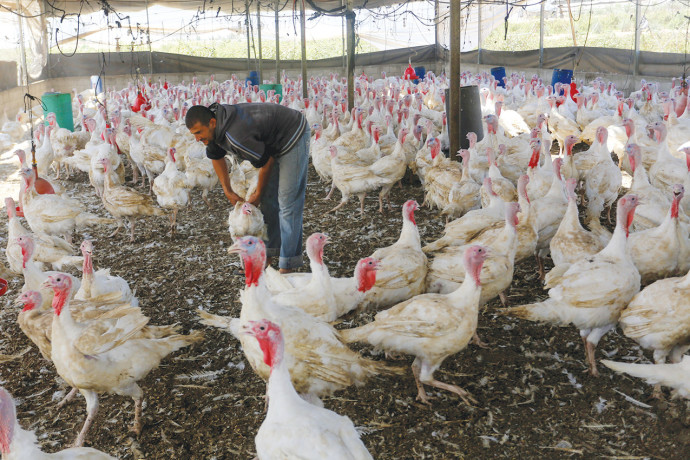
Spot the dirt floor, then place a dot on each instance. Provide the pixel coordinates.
(536, 399)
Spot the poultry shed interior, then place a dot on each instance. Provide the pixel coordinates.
(525, 297)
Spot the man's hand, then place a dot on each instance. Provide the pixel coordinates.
(254, 198)
(233, 197)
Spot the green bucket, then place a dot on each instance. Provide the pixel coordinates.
(277, 88)
(61, 105)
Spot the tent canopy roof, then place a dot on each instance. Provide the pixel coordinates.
(124, 6)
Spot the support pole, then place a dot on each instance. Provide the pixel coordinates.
(479, 31)
(148, 38)
(454, 89)
(246, 19)
(303, 27)
(258, 32)
(343, 34)
(541, 35)
(24, 72)
(277, 44)
(437, 36)
(572, 24)
(350, 17)
(636, 67)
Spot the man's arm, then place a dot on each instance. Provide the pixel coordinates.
(264, 174)
(221, 169)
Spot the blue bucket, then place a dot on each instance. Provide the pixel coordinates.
(420, 72)
(253, 77)
(564, 76)
(97, 84)
(499, 74)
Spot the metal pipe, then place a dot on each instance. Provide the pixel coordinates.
(350, 17)
(303, 27)
(454, 89)
(277, 44)
(636, 67)
(541, 35)
(24, 75)
(258, 32)
(343, 34)
(148, 38)
(437, 35)
(479, 31)
(246, 19)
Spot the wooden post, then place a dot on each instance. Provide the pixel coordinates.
(541, 35)
(479, 31)
(303, 26)
(246, 22)
(277, 46)
(258, 32)
(636, 67)
(454, 89)
(350, 17)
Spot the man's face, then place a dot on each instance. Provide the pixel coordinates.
(203, 133)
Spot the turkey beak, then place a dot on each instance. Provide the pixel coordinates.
(246, 329)
(234, 249)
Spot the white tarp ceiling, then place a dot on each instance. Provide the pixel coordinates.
(124, 6)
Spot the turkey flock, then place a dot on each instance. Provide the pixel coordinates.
(508, 200)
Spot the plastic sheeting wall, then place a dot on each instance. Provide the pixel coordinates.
(165, 63)
(594, 60)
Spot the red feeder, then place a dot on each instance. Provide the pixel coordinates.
(138, 102)
(410, 74)
(3, 287)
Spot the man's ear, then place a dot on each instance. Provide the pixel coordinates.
(212, 123)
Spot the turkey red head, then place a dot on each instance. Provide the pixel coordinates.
(491, 123)
(678, 193)
(512, 210)
(434, 146)
(27, 244)
(253, 253)
(247, 208)
(365, 273)
(409, 208)
(270, 339)
(472, 138)
(61, 284)
(8, 421)
(522, 186)
(634, 156)
(570, 141)
(625, 212)
(29, 300)
(602, 135)
(473, 259)
(535, 144)
(315, 244)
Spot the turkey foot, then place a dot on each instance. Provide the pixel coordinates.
(589, 349)
(464, 395)
(478, 342)
(136, 427)
(70, 396)
(504, 298)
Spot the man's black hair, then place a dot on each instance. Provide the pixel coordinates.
(198, 114)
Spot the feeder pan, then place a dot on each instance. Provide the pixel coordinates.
(3, 287)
